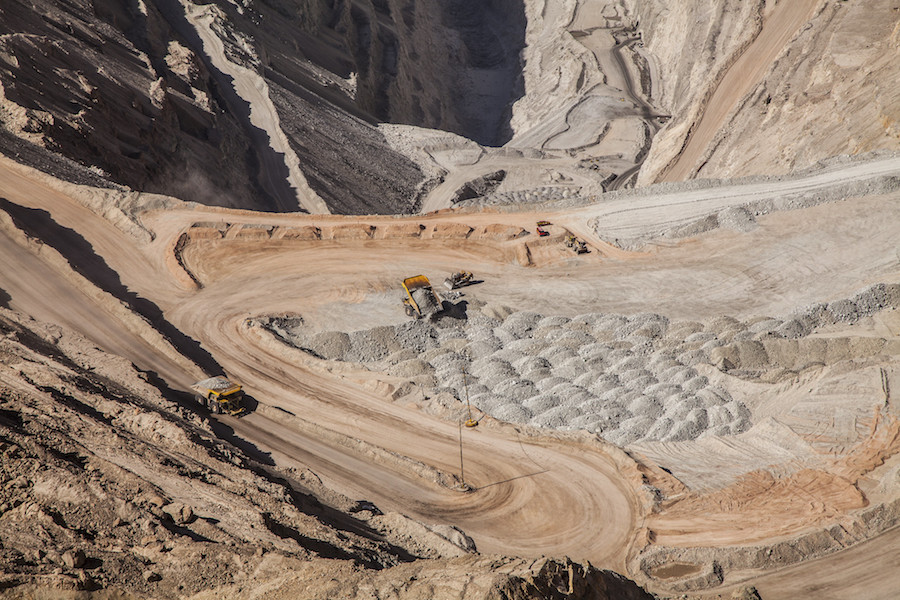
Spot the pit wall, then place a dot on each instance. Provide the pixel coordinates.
(411, 57)
(713, 566)
(525, 249)
(829, 93)
(690, 65)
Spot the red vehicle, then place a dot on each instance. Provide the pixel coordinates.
(542, 232)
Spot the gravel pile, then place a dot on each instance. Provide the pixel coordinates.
(627, 378)
(372, 345)
(529, 196)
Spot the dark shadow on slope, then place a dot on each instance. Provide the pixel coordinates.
(272, 176)
(463, 78)
(337, 519)
(319, 547)
(223, 431)
(178, 530)
(82, 258)
(493, 35)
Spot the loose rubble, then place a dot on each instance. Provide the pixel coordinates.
(629, 379)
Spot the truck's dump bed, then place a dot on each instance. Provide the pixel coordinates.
(216, 385)
(419, 281)
(421, 295)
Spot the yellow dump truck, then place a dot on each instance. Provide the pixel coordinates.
(421, 300)
(220, 395)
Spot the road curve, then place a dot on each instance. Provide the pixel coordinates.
(535, 495)
(532, 497)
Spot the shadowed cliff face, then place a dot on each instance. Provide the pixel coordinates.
(128, 91)
(453, 65)
(109, 86)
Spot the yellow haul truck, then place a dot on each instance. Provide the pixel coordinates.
(421, 300)
(220, 395)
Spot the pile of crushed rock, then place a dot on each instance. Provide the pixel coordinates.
(628, 378)
(528, 196)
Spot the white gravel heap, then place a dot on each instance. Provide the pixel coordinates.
(628, 378)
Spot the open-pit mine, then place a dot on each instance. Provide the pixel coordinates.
(450, 299)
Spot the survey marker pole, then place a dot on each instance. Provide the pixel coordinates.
(470, 422)
(462, 471)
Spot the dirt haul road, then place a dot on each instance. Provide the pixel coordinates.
(535, 495)
(747, 71)
(521, 484)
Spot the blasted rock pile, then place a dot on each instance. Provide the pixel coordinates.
(628, 378)
(604, 373)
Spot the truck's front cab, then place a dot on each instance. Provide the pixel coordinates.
(220, 395)
(230, 402)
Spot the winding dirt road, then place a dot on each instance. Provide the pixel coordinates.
(521, 483)
(532, 497)
(747, 71)
(552, 494)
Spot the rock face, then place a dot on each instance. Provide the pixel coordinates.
(114, 89)
(689, 63)
(131, 94)
(444, 65)
(824, 92)
(138, 96)
(826, 95)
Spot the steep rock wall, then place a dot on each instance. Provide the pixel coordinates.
(136, 98)
(112, 87)
(692, 45)
(834, 91)
(828, 90)
(451, 65)
(556, 67)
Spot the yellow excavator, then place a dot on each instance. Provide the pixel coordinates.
(458, 280)
(577, 245)
(220, 395)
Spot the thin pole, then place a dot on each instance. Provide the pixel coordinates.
(466, 386)
(470, 422)
(462, 472)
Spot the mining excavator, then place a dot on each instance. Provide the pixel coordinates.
(420, 300)
(578, 246)
(458, 280)
(220, 395)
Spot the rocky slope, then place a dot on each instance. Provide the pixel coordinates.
(109, 486)
(825, 89)
(132, 94)
(162, 112)
(158, 97)
(829, 93)
(114, 89)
